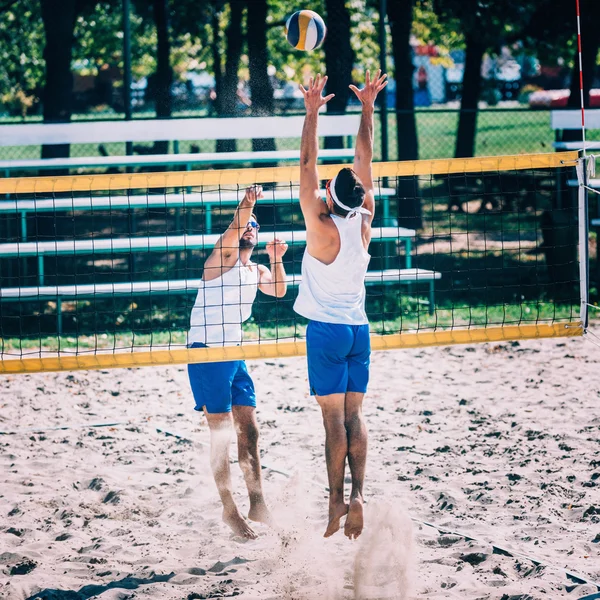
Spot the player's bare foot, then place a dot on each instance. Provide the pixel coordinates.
(238, 524)
(336, 512)
(260, 513)
(354, 522)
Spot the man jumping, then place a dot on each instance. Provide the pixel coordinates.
(222, 389)
(332, 297)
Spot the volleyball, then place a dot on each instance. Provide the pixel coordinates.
(305, 30)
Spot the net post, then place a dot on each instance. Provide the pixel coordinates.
(584, 254)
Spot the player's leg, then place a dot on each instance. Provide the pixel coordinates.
(220, 425)
(336, 450)
(249, 459)
(246, 425)
(327, 346)
(358, 378)
(357, 458)
(211, 386)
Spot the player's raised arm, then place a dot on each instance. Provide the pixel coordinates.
(227, 249)
(272, 281)
(310, 201)
(363, 156)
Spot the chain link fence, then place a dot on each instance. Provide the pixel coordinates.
(499, 131)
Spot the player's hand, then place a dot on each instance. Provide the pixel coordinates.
(276, 249)
(313, 96)
(369, 93)
(253, 193)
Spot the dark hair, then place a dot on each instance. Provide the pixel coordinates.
(349, 191)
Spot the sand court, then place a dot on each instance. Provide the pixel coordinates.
(106, 488)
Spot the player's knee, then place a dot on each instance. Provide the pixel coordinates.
(333, 420)
(352, 419)
(249, 433)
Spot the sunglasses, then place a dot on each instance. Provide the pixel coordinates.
(253, 224)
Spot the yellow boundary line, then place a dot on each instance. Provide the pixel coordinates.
(282, 349)
(233, 177)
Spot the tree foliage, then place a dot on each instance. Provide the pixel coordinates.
(542, 28)
(22, 41)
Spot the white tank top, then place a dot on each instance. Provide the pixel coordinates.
(335, 293)
(222, 305)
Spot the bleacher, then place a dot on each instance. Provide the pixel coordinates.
(172, 130)
(93, 246)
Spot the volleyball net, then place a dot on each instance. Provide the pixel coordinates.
(103, 271)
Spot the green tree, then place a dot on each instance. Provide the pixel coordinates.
(291, 64)
(400, 14)
(261, 88)
(99, 39)
(339, 60)
(59, 19)
(226, 72)
(164, 70)
(552, 33)
(485, 25)
(21, 62)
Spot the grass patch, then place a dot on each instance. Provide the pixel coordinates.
(413, 319)
(499, 131)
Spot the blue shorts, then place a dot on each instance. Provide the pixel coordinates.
(220, 385)
(338, 358)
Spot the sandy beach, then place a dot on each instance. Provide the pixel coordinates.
(106, 490)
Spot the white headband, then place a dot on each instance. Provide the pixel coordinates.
(351, 211)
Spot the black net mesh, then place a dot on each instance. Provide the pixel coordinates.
(83, 271)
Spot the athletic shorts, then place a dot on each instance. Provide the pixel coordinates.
(338, 358)
(220, 385)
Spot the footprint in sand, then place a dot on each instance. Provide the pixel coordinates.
(383, 566)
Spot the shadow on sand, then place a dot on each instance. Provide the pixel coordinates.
(87, 591)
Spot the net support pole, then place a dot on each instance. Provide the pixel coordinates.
(582, 196)
(581, 95)
(584, 253)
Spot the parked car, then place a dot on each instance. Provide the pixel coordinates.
(558, 99)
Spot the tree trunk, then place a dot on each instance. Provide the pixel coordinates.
(261, 89)
(59, 24)
(400, 19)
(339, 58)
(400, 15)
(471, 90)
(164, 73)
(226, 80)
(216, 54)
